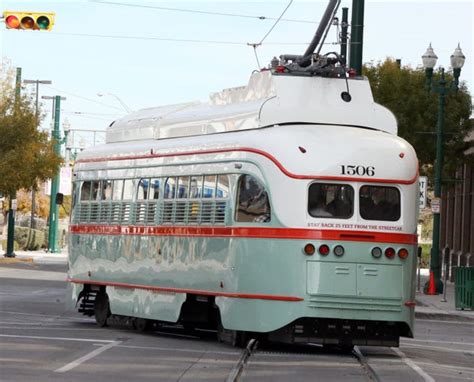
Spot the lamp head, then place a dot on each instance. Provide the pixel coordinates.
(429, 58)
(66, 125)
(458, 58)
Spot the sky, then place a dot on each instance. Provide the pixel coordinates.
(138, 54)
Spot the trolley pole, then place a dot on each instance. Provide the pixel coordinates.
(344, 27)
(53, 207)
(11, 211)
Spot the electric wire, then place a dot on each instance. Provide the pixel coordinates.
(201, 12)
(255, 46)
(84, 98)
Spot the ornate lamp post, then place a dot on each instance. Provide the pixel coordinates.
(442, 88)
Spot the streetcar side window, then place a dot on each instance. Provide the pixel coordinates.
(95, 195)
(143, 187)
(170, 188)
(106, 190)
(183, 187)
(117, 189)
(86, 191)
(253, 204)
(328, 200)
(209, 190)
(222, 186)
(195, 188)
(379, 203)
(127, 189)
(154, 188)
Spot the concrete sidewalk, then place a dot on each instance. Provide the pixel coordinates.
(433, 306)
(39, 257)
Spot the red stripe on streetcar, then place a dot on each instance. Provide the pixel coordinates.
(248, 232)
(193, 291)
(259, 152)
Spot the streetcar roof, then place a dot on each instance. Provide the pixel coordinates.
(300, 149)
(267, 100)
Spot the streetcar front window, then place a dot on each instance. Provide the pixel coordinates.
(253, 204)
(328, 200)
(117, 189)
(379, 203)
(86, 191)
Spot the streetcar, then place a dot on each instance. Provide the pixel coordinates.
(284, 209)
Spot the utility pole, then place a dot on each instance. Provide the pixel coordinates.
(33, 191)
(11, 207)
(53, 207)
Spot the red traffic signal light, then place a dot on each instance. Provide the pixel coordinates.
(29, 20)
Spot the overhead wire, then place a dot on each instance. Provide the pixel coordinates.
(185, 10)
(255, 46)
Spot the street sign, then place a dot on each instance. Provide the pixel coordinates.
(436, 205)
(423, 191)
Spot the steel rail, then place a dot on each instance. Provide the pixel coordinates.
(237, 370)
(369, 372)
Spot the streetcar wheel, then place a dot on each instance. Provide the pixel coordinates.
(142, 324)
(101, 309)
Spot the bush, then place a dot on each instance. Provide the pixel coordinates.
(425, 255)
(16, 246)
(29, 239)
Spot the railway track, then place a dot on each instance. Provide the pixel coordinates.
(238, 373)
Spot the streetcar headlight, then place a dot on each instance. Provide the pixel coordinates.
(338, 250)
(390, 253)
(376, 252)
(402, 253)
(323, 250)
(309, 249)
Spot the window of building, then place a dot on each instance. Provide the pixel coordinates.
(117, 189)
(209, 189)
(222, 186)
(127, 189)
(253, 204)
(379, 203)
(327, 200)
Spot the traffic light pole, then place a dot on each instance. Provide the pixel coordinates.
(11, 212)
(53, 207)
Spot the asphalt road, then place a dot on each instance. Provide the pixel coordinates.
(41, 341)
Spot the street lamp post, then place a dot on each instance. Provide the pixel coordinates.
(33, 191)
(442, 88)
(124, 105)
(53, 207)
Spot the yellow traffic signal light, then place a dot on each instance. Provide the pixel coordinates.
(29, 20)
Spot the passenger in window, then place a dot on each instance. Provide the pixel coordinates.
(341, 205)
(319, 209)
(253, 203)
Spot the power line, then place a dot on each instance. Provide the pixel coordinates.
(84, 98)
(193, 41)
(201, 12)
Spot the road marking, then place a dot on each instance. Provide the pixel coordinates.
(46, 327)
(178, 350)
(87, 357)
(446, 322)
(47, 315)
(426, 377)
(449, 350)
(437, 342)
(55, 338)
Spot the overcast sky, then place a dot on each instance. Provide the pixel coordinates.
(123, 49)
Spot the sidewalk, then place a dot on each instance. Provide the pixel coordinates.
(432, 306)
(39, 257)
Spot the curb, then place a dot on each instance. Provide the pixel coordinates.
(443, 316)
(15, 260)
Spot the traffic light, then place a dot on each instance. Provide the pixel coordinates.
(29, 20)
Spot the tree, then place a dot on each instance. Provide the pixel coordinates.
(26, 154)
(403, 91)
